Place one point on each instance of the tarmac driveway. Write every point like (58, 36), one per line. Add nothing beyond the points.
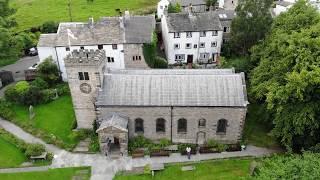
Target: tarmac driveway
(18, 68)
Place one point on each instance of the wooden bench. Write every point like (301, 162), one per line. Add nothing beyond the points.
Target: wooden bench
(137, 153)
(159, 153)
(43, 156)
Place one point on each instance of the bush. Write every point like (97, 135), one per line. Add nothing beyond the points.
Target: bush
(48, 95)
(160, 63)
(22, 87)
(34, 150)
(20, 144)
(49, 71)
(139, 142)
(215, 145)
(40, 83)
(182, 147)
(164, 142)
(5, 109)
(49, 27)
(63, 89)
(11, 94)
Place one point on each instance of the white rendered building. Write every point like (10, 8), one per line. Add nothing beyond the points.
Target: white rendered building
(122, 39)
(192, 37)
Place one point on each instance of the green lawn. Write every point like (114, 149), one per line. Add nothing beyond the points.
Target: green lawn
(256, 130)
(31, 13)
(10, 155)
(210, 170)
(52, 174)
(56, 118)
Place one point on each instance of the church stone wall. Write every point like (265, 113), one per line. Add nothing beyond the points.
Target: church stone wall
(134, 50)
(235, 117)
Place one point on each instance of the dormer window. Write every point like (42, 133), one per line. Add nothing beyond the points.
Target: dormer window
(100, 46)
(189, 34)
(82, 47)
(114, 46)
(67, 49)
(176, 35)
(202, 34)
(215, 33)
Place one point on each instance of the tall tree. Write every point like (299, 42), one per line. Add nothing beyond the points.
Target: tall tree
(287, 77)
(251, 24)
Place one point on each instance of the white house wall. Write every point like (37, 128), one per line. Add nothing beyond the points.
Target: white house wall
(117, 54)
(161, 7)
(45, 52)
(195, 39)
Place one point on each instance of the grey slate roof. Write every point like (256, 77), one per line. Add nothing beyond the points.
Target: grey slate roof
(169, 89)
(114, 120)
(108, 30)
(186, 3)
(174, 71)
(183, 22)
(47, 40)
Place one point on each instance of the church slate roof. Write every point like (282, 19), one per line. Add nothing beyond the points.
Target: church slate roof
(108, 30)
(151, 88)
(183, 22)
(114, 120)
(173, 71)
(185, 3)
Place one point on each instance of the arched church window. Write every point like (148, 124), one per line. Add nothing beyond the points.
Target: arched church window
(222, 126)
(202, 123)
(182, 125)
(160, 125)
(138, 123)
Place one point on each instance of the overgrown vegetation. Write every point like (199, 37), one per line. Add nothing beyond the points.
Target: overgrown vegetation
(174, 8)
(305, 166)
(150, 54)
(287, 76)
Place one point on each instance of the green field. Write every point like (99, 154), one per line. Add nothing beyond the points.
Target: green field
(31, 13)
(10, 155)
(56, 118)
(220, 169)
(51, 174)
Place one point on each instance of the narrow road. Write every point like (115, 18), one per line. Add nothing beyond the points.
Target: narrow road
(104, 168)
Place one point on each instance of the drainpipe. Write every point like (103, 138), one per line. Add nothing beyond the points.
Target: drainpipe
(55, 48)
(171, 114)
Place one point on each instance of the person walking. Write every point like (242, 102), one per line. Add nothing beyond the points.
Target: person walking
(188, 149)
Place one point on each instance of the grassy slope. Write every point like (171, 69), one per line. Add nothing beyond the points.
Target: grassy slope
(52, 174)
(222, 169)
(54, 118)
(10, 156)
(35, 12)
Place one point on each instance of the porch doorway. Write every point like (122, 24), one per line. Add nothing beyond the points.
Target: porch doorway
(201, 138)
(189, 59)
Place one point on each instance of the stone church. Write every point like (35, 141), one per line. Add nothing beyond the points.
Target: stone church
(184, 106)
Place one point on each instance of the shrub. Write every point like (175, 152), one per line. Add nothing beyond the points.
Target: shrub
(218, 146)
(40, 83)
(160, 63)
(147, 169)
(34, 150)
(182, 147)
(164, 142)
(139, 142)
(5, 109)
(174, 8)
(20, 144)
(22, 87)
(94, 143)
(63, 89)
(48, 95)
(49, 27)
(49, 71)
(11, 93)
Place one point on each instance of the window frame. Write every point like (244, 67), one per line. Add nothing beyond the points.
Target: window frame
(214, 44)
(176, 35)
(222, 126)
(114, 46)
(100, 46)
(215, 33)
(86, 76)
(202, 123)
(160, 125)
(204, 45)
(182, 126)
(139, 125)
(189, 46)
(176, 47)
(181, 59)
(203, 33)
(188, 34)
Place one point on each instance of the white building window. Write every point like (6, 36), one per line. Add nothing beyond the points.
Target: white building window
(202, 45)
(188, 46)
(67, 49)
(161, 7)
(189, 34)
(114, 46)
(176, 35)
(100, 46)
(226, 29)
(195, 46)
(202, 34)
(214, 44)
(110, 59)
(176, 46)
(214, 33)
(204, 56)
(179, 57)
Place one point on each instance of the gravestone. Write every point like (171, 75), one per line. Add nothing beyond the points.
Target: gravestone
(31, 112)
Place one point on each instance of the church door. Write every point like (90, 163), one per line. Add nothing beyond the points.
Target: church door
(201, 138)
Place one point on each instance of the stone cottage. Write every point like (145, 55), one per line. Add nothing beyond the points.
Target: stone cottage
(184, 106)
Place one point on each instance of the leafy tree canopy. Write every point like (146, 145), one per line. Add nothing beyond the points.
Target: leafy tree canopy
(174, 8)
(287, 77)
(251, 24)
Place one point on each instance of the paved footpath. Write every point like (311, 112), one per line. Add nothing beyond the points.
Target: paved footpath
(104, 168)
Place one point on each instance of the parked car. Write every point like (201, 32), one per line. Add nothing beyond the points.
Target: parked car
(33, 52)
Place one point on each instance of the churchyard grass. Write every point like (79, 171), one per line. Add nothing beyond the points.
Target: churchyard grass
(33, 13)
(52, 174)
(10, 155)
(55, 119)
(208, 170)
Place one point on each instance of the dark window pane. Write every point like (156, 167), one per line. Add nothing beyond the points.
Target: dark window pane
(81, 47)
(222, 126)
(100, 46)
(139, 125)
(114, 46)
(81, 77)
(182, 125)
(86, 76)
(67, 49)
(202, 123)
(161, 125)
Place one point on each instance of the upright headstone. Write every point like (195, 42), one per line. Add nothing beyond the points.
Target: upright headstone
(31, 112)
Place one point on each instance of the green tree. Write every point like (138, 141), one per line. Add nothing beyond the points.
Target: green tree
(306, 166)
(287, 77)
(49, 27)
(49, 71)
(211, 3)
(174, 8)
(251, 24)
